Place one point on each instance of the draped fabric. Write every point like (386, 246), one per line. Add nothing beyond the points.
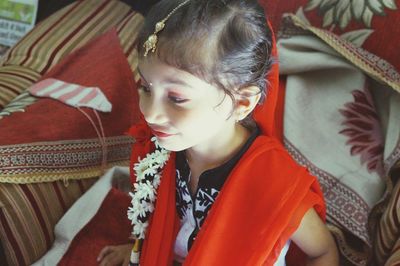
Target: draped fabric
(258, 209)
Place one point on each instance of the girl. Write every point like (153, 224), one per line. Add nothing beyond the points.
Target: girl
(227, 193)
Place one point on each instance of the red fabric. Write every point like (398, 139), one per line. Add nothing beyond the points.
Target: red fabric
(100, 63)
(279, 112)
(252, 218)
(157, 249)
(110, 226)
(257, 210)
(265, 114)
(254, 212)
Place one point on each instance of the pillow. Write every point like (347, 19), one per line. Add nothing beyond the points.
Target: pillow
(52, 141)
(28, 213)
(387, 236)
(13, 80)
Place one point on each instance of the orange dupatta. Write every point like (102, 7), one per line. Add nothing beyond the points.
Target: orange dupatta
(258, 209)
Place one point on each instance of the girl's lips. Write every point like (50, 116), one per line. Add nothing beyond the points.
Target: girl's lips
(161, 134)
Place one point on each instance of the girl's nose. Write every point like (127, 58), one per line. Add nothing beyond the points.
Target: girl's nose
(154, 112)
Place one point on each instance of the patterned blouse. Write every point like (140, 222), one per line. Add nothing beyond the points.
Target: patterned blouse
(193, 209)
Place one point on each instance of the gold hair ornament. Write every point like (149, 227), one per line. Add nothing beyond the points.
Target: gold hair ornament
(151, 42)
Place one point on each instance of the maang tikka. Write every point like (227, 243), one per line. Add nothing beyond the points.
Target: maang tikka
(151, 42)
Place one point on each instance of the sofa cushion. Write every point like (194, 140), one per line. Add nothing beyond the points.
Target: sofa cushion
(51, 140)
(28, 213)
(12, 80)
(387, 236)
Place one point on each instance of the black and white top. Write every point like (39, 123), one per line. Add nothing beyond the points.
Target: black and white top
(193, 209)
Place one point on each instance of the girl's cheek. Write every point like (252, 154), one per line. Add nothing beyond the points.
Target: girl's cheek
(184, 118)
(142, 103)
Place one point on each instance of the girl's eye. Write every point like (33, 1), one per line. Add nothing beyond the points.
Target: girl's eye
(176, 99)
(144, 89)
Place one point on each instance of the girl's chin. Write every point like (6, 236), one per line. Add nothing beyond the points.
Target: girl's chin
(170, 145)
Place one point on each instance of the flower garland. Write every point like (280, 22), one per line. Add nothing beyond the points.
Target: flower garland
(148, 178)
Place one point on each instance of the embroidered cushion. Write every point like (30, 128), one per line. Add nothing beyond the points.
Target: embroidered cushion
(54, 141)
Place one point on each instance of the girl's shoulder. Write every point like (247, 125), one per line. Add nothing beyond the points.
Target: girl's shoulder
(264, 145)
(267, 154)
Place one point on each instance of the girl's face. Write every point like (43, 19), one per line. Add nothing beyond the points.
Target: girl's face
(182, 110)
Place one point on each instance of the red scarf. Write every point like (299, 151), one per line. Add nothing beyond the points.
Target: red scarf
(258, 209)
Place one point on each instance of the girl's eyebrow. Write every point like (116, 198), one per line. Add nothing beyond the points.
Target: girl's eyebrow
(172, 80)
(169, 80)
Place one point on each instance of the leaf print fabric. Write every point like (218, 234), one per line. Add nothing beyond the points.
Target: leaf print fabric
(204, 200)
(192, 212)
(341, 12)
(363, 129)
(183, 200)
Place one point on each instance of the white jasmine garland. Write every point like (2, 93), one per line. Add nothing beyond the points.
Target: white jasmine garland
(139, 229)
(139, 171)
(148, 178)
(157, 180)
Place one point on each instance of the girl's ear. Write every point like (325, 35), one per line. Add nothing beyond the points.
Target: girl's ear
(246, 100)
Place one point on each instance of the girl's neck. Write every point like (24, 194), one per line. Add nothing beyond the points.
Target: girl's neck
(207, 156)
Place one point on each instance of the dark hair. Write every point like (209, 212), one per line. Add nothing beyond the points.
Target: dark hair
(225, 42)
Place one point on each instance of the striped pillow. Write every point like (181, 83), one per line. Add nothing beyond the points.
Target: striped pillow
(28, 214)
(13, 80)
(394, 259)
(387, 234)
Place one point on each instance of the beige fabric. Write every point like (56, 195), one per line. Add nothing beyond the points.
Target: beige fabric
(341, 124)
